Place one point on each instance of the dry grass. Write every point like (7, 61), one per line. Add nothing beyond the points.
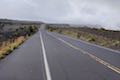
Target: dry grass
(93, 38)
(8, 46)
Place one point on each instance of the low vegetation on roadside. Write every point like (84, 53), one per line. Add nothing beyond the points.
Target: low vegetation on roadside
(107, 38)
(8, 46)
(10, 40)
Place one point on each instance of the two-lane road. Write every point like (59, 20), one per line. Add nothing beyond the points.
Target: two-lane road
(50, 56)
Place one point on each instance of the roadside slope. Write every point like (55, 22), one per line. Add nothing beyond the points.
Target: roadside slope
(24, 63)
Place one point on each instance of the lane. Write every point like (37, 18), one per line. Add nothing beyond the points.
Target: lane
(110, 56)
(67, 63)
(47, 70)
(25, 63)
(112, 67)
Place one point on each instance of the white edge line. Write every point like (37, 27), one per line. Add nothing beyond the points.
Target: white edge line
(116, 51)
(117, 70)
(47, 69)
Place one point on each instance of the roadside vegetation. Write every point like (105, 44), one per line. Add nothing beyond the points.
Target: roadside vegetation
(10, 40)
(103, 37)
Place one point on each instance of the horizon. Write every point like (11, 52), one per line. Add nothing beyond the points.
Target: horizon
(94, 12)
(97, 26)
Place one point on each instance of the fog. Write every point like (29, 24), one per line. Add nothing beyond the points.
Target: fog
(95, 12)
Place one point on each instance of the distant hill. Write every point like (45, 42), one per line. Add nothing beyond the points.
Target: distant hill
(9, 21)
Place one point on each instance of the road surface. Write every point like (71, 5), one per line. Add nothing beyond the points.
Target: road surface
(51, 56)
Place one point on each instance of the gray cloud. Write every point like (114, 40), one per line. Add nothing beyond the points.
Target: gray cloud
(102, 12)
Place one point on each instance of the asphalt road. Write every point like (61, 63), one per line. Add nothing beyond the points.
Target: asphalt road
(25, 63)
(50, 56)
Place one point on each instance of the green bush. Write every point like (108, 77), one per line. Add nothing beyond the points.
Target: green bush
(92, 39)
(2, 56)
(78, 35)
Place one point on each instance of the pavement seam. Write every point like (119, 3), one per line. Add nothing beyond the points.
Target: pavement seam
(116, 69)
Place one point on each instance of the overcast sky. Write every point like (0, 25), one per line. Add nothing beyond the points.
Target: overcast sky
(102, 12)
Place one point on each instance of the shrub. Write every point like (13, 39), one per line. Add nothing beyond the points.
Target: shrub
(7, 49)
(78, 35)
(91, 39)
